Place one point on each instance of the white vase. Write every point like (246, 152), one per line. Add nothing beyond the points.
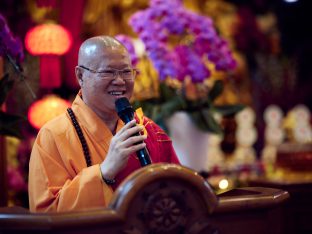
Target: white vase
(190, 143)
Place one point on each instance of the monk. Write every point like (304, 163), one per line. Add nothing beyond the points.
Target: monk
(81, 156)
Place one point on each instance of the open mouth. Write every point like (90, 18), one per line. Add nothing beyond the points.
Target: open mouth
(117, 93)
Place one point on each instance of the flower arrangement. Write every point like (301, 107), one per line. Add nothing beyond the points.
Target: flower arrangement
(185, 50)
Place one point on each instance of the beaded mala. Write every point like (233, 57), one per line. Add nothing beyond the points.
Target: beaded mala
(84, 144)
(82, 139)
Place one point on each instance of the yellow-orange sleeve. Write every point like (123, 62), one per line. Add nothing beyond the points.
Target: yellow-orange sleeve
(54, 187)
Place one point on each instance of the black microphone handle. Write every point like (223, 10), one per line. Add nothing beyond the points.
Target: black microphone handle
(143, 157)
(143, 154)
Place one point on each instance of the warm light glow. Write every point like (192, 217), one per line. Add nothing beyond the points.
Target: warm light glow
(46, 109)
(290, 1)
(48, 39)
(223, 184)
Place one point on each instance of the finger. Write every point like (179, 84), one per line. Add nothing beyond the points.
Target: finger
(133, 148)
(118, 145)
(124, 149)
(133, 140)
(127, 126)
(130, 132)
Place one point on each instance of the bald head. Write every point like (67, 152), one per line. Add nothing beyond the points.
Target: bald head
(103, 62)
(91, 48)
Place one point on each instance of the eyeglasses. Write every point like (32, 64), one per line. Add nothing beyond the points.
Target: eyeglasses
(111, 74)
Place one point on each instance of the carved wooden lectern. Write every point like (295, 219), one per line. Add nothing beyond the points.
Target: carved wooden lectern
(162, 198)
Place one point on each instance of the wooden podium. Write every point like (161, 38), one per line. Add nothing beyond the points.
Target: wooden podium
(298, 210)
(162, 198)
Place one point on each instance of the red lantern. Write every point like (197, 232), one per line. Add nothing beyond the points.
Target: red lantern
(46, 109)
(49, 41)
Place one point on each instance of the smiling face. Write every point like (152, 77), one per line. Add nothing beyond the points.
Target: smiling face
(100, 92)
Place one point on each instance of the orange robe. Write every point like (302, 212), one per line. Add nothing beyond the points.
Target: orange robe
(59, 179)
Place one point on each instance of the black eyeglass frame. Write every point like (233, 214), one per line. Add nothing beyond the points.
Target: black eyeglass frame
(116, 72)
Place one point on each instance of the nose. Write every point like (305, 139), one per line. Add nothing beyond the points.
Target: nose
(118, 77)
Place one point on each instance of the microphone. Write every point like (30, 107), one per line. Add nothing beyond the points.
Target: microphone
(126, 114)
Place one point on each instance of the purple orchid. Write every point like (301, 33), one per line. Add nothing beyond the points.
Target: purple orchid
(127, 42)
(163, 18)
(9, 45)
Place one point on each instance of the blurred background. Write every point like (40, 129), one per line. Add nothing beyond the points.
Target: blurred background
(269, 40)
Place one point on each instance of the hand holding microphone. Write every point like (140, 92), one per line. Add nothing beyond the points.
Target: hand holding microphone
(126, 113)
(126, 141)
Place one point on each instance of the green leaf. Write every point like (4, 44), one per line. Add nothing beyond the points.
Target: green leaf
(191, 106)
(150, 107)
(5, 86)
(198, 121)
(10, 124)
(212, 124)
(227, 110)
(166, 92)
(205, 121)
(161, 123)
(167, 109)
(216, 90)
(155, 110)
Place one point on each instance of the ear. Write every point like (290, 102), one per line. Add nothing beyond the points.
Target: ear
(79, 75)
